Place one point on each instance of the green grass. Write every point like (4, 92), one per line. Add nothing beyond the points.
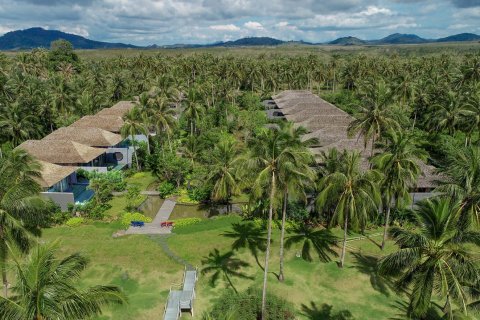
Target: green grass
(141, 268)
(142, 179)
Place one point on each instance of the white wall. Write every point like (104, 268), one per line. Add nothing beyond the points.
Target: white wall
(62, 199)
(98, 169)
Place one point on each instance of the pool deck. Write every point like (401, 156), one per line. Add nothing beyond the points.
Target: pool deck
(154, 227)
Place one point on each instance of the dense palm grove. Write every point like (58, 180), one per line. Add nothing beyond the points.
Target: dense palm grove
(212, 139)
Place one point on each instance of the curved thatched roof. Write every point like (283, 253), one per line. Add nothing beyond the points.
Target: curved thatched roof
(118, 109)
(52, 173)
(315, 123)
(112, 123)
(94, 137)
(61, 151)
(429, 178)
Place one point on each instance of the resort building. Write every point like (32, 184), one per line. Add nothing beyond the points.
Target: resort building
(329, 125)
(62, 186)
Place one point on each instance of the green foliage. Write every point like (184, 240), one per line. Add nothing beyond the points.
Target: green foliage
(75, 221)
(184, 197)
(297, 211)
(116, 178)
(133, 198)
(166, 189)
(186, 222)
(61, 52)
(247, 306)
(168, 166)
(128, 217)
(200, 193)
(276, 224)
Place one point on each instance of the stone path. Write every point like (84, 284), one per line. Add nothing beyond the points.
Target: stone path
(154, 227)
(162, 241)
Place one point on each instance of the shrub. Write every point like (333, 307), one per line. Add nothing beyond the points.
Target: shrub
(185, 198)
(133, 198)
(166, 189)
(186, 222)
(247, 306)
(200, 193)
(75, 221)
(128, 217)
(297, 211)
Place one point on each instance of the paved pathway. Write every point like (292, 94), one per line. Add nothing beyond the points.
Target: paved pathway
(154, 227)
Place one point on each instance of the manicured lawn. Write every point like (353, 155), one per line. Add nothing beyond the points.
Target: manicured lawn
(142, 179)
(139, 265)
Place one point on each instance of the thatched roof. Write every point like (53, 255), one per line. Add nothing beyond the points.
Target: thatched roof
(61, 151)
(429, 178)
(318, 122)
(110, 123)
(94, 137)
(118, 109)
(306, 114)
(52, 173)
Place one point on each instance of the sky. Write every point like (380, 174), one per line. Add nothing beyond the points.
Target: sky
(163, 22)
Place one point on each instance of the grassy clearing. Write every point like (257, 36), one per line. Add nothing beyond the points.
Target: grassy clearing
(142, 179)
(138, 264)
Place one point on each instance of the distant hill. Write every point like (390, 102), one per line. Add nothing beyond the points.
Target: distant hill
(399, 38)
(251, 41)
(348, 41)
(39, 37)
(460, 37)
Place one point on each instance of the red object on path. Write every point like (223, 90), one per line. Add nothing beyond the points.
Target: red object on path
(167, 224)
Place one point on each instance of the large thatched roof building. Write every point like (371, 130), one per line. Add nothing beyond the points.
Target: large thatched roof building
(329, 125)
(50, 174)
(93, 137)
(64, 152)
(112, 123)
(119, 109)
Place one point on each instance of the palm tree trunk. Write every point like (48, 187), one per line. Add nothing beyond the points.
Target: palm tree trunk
(281, 276)
(267, 252)
(344, 247)
(135, 151)
(5, 281)
(387, 221)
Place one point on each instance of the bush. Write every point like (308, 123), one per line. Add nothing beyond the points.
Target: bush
(185, 198)
(133, 198)
(186, 222)
(247, 306)
(200, 193)
(75, 221)
(297, 211)
(166, 189)
(128, 217)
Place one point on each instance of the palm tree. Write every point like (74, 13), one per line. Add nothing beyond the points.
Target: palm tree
(225, 265)
(434, 257)
(163, 117)
(296, 177)
(18, 125)
(321, 240)
(268, 158)
(462, 169)
(223, 171)
(193, 109)
(19, 204)
(133, 125)
(353, 195)
(48, 288)
(375, 115)
(399, 164)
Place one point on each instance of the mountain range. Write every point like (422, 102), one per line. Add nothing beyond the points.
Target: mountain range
(39, 37)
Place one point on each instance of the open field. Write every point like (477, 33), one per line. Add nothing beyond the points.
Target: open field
(287, 49)
(139, 265)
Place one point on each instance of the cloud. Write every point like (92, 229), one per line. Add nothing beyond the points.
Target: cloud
(225, 27)
(466, 3)
(253, 25)
(78, 30)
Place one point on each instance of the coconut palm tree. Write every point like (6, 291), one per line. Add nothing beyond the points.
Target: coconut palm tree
(223, 265)
(193, 109)
(268, 157)
(399, 164)
(434, 259)
(223, 171)
(297, 178)
(162, 117)
(353, 195)
(133, 124)
(375, 115)
(320, 240)
(48, 288)
(18, 125)
(19, 204)
(462, 170)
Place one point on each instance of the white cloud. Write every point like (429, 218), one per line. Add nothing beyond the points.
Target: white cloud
(4, 30)
(253, 25)
(78, 30)
(224, 27)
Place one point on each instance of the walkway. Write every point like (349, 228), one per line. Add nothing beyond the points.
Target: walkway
(154, 227)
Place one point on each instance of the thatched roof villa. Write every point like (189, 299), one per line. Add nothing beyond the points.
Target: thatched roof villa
(93, 137)
(112, 123)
